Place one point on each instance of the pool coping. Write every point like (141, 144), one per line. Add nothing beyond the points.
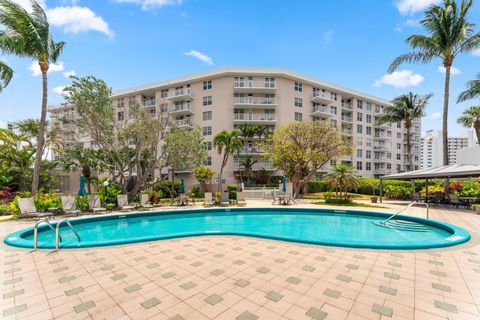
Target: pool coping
(458, 235)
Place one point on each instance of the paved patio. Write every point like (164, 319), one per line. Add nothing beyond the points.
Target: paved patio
(226, 277)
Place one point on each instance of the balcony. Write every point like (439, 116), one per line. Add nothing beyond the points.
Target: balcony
(183, 94)
(382, 137)
(254, 118)
(181, 108)
(347, 132)
(322, 97)
(254, 86)
(321, 111)
(255, 102)
(184, 123)
(382, 125)
(382, 147)
(347, 106)
(252, 151)
(256, 167)
(347, 119)
(347, 158)
(382, 171)
(148, 103)
(382, 160)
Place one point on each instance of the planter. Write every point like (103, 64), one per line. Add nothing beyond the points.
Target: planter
(374, 199)
(477, 209)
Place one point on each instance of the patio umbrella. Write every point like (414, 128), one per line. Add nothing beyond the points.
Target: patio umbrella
(81, 191)
(284, 184)
(182, 186)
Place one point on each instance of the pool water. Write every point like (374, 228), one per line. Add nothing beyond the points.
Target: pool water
(314, 226)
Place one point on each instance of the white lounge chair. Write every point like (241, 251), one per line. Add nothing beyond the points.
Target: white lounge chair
(68, 205)
(95, 205)
(122, 201)
(29, 210)
(208, 200)
(145, 201)
(225, 200)
(241, 199)
(274, 197)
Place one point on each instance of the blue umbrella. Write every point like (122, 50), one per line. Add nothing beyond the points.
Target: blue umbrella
(284, 184)
(82, 192)
(182, 186)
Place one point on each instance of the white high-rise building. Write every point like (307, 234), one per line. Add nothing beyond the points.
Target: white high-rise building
(6, 125)
(432, 147)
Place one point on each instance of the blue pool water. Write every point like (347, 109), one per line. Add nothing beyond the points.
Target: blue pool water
(314, 226)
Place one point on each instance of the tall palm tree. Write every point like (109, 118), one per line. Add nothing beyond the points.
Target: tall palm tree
(6, 75)
(228, 143)
(449, 33)
(247, 167)
(27, 35)
(246, 131)
(342, 178)
(473, 90)
(471, 118)
(406, 108)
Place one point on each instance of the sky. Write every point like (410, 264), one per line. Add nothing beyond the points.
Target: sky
(133, 42)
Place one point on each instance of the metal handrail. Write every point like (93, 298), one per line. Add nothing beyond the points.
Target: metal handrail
(35, 231)
(405, 208)
(57, 233)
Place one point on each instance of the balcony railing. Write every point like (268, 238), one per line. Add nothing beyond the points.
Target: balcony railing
(382, 147)
(347, 131)
(252, 150)
(347, 119)
(382, 171)
(382, 136)
(181, 93)
(148, 102)
(256, 167)
(183, 122)
(254, 100)
(323, 110)
(322, 97)
(254, 117)
(346, 105)
(180, 107)
(255, 85)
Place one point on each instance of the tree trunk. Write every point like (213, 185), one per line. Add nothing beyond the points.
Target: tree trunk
(41, 130)
(408, 125)
(445, 121)
(476, 126)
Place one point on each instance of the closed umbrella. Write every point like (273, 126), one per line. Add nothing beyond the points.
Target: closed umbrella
(182, 186)
(284, 184)
(81, 191)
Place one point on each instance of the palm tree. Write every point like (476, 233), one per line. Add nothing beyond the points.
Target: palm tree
(27, 35)
(473, 90)
(449, 33)
(406, 108)
(342, 178)
(471, 118)
(228, 143)
(6, 74)
(247, 166)
(246, 131)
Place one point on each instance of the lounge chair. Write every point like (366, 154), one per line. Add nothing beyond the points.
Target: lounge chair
(29, 210)
(145, 201)
(416, 197)
(454, 201)
(241, 199)
(225, 200)
(68, 205)
(274, 197)
(208, 200)
(122, 202)
(95, 204)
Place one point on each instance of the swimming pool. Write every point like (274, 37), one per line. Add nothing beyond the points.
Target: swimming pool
(313, 226)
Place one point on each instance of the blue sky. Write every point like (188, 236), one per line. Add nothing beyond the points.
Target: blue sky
(346, 42)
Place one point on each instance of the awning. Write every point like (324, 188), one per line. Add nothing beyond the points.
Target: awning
(451, 171)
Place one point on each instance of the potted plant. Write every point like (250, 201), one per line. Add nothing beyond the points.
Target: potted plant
(374, 199)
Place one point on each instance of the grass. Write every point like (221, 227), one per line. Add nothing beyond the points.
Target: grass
(320, 196)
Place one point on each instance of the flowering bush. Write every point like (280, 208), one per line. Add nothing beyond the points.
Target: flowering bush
(6, 195)
(455, 186)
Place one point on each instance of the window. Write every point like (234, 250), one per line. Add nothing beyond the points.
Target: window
(238, 82)
(359, 128)
(368, 154)
(359, 153)
(269, 82)
(298, 87)
(399, 146)
(368, 166)
(207, 145)
(164, 93)
(369, 118)
(359, 141)
(164, 107)
(359, 165)
(298, 116)
(368, 142)
(298, 102)
(399, 135)
(333, 162)
(389, 166)
(399, 125)
(208, 162)
(359, 104)
(333, 96)
(399, 168)
(333, 110)
(207, 85)
(399, 156)
(369, 106)
(359, 117)
(369, 130)
(207, 131)
(207, 115)
(121, 115)
(207, 101)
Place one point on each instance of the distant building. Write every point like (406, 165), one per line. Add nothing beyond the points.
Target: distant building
(6, 125)
(432, 148)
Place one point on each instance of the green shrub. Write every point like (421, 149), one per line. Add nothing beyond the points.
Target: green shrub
(165, 186)
(108, 195)
(45, 201)
(81, 203)
(397, 192)
(329, 195)
(232, 191)
(5, 210)
(196, 192)
(317, 186)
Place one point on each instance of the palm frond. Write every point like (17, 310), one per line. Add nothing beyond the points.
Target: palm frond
(6, 75)
(472, 91)
(411, 57)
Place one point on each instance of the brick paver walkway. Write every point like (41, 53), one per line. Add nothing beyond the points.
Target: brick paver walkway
(226, 277)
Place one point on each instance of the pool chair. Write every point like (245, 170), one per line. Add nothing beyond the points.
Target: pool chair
(68, 205)
(29, 210)
(95, 205)
(241, 199)
(122, 202)
(225, 200)
(145, 201)
(275, 199)
(454, 201)
(208, 202)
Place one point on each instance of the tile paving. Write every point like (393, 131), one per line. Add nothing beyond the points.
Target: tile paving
(227, 277)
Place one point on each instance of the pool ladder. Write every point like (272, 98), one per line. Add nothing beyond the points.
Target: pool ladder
(405, 225)
(58, 237)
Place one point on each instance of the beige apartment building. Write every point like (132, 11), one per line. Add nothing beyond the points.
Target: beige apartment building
(226, 98)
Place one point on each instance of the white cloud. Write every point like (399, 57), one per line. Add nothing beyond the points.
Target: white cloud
(200, 56)
(59, 90)
(400, 79)
(28, 5)
(436, 115)
(411, 23)
(476, 52)
(151, 4)
(453, 71)
(74, 19)
(54, 67)
(412, 6)
(69, 74)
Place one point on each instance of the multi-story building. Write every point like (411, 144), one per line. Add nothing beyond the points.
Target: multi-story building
(432, 147)
(227, 98)
(6, 125)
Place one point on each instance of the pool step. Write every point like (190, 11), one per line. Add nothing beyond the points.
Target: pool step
(406, 225)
